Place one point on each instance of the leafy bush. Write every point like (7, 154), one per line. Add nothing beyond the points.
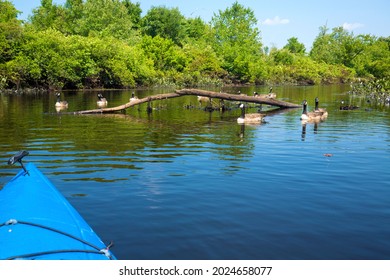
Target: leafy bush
(106, 43)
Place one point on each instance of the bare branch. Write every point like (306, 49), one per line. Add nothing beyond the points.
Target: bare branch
(182, 92)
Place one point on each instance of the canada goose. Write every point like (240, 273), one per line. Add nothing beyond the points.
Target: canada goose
(249, 118)
(203, 99)
(347, 107)
(311, 116)
(271, 94)
(316, 109)
(102, 102)
(133, 97)
(60, 104)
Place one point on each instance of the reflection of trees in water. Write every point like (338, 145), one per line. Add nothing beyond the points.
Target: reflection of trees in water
(157, 140)
(168, 132)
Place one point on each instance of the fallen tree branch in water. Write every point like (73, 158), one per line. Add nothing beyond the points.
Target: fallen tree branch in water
(129, 104)
(236, 97)
(198, 92)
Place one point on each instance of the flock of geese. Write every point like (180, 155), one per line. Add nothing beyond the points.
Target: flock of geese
(251, 118)
(101, 102)
(317, 115)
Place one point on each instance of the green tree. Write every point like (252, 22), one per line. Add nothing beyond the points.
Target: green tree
(324, 47)
(106, 18)
(203, 63)
(135, 11)
(196, 29)
(294, 46)
(11, 35)
(376, 59)
(48, 15)
(98, 43)
(54, 60)
(8, 12)
(74, 13)
(165, 22)
(338, 47)
(164, 53)
(282, 56)
(10, 31)
(236, 40)
(367, 55)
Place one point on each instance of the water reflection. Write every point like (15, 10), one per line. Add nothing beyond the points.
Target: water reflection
(303, 132)
(242, 131)
(175, 178)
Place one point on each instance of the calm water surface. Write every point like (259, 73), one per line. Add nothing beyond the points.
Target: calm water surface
(187, 184)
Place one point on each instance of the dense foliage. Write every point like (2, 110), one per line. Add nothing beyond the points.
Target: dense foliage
(108, 43)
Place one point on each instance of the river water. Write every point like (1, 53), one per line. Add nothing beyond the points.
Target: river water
(183, 183)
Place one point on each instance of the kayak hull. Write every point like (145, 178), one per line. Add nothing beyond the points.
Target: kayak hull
(37, 222)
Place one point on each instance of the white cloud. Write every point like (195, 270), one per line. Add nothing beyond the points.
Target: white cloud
(275, 21)
(352, 26)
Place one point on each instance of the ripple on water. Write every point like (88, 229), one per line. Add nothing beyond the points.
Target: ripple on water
(194, 185)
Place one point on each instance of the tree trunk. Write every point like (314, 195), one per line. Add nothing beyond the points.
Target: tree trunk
(182, 92)
(235, 97)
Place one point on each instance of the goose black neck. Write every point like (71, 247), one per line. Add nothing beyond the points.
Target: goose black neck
(304, 108)
(243, 112)
(316, 107)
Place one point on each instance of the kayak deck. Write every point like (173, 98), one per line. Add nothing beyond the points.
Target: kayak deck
(37, 222)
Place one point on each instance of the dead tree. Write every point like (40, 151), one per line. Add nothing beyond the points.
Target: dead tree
(198, 92)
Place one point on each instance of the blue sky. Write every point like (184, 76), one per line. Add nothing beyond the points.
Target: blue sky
(279, 20)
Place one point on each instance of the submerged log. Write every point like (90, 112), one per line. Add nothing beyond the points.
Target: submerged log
(198, 92)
